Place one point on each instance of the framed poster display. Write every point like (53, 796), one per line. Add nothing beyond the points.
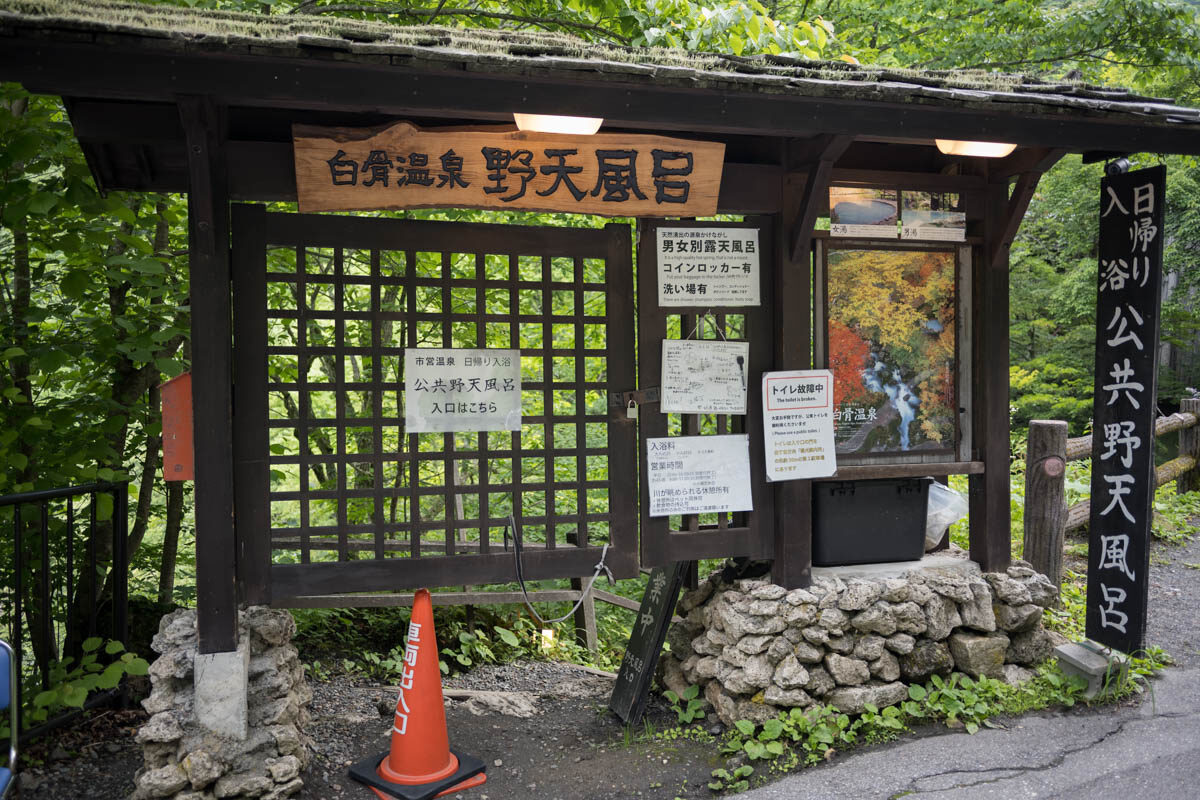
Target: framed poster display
(891, 341)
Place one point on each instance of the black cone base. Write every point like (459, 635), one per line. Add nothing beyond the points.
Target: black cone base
(365, 771)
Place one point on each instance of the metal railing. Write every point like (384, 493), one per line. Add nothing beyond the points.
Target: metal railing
(67, 573)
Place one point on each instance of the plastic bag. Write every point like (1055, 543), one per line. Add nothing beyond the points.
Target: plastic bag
(946, 506)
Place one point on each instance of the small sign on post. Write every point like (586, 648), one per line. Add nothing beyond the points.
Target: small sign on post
(699, 474)
(708, 267)
(461, 390)
(1123, 480)
(703, 376)
(628, 699)
(798, 424)
(178, 451)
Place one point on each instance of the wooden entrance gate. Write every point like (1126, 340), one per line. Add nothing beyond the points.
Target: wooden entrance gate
(333, 495)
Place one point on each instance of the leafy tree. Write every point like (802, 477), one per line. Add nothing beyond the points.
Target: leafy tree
(95, 312)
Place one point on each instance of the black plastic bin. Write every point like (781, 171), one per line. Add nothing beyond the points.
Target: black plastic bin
(868, 522)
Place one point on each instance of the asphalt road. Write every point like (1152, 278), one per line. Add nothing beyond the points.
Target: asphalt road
(1124, 752)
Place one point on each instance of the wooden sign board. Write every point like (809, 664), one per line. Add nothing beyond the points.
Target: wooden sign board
(402, 166)
(178, 453)
(1127, 324)
(628, 699)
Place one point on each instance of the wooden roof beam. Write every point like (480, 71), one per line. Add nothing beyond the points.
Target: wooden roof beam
(821, 152)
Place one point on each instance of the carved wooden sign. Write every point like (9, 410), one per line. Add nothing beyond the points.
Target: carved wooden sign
(402, 166)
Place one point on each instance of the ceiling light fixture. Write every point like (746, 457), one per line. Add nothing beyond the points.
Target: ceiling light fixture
(553, 123)
(953, 147)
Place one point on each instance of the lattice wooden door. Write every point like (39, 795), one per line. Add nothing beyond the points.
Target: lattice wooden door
(334, 496)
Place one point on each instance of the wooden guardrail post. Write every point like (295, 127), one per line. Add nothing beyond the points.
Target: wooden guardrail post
(1045, 497)
(1189, 445)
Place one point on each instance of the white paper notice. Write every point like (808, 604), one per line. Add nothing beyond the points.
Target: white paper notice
(698, 474)
(798, 424)
(708, 267)
(702, 376)
(461, 390)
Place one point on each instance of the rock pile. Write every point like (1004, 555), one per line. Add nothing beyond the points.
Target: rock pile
(184, 761)
(757, 648)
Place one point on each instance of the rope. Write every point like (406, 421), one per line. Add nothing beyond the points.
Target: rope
(517, 546)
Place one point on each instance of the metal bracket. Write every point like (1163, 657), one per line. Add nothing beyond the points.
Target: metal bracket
(641, 397)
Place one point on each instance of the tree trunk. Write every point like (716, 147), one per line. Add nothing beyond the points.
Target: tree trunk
(170, 551)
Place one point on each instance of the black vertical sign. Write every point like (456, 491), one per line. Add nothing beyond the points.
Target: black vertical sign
(628, 699)
(1127, 312)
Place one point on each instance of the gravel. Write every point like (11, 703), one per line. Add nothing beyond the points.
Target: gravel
(573, 747)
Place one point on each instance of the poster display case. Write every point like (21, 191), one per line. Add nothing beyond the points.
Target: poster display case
(892, 336)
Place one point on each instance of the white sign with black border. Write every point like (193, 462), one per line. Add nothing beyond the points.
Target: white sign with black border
(717, 267)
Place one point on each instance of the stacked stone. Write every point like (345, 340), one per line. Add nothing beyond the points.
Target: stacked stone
(756, 648)
(183, 760)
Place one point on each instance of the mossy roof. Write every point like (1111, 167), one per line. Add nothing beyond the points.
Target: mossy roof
(540, 53)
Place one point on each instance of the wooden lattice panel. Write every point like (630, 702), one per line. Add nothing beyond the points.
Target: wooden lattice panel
(355, 502)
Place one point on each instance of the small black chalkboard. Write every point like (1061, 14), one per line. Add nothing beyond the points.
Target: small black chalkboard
(628, 699)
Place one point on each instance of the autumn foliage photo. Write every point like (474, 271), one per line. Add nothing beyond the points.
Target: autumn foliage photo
(892, 349)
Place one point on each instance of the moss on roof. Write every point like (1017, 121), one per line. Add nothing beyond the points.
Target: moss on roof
(517, 51)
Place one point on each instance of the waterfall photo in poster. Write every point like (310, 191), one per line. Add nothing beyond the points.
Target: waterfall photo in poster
(892, 350)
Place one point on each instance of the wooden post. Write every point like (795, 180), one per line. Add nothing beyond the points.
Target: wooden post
(801, 202)
(1189, 445)
(212, 381)
(1045, 497)
(585, 618)
(251, 440)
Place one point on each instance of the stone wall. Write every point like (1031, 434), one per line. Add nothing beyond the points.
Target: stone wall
(857, 635)
(186, 761)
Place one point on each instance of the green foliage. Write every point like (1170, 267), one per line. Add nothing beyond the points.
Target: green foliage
(959, 700)
(475, 648)
(881, 725)
(72, 682)
(809, 735)
(1175, 515)
(687, 708)
(1089, 35)
(733, 782)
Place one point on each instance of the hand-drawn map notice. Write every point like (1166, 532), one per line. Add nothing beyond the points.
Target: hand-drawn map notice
(461, 390)
(402, 166)
(708, 267)
(932, 216)
(702, 376)
(698, 474)
(628, 699)
(1123, 481)
(863, 213)
(798, 424)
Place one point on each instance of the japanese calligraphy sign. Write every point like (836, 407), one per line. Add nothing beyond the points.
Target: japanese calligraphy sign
(704, 376)
(1127, 319)
(461, 390)
(628, 699)
(403, 166)
(708, 267)
(798, 424)
(698, 474)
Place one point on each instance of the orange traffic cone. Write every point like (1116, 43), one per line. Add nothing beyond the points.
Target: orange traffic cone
(420, 764)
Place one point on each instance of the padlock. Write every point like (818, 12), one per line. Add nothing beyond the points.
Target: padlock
(631, 410)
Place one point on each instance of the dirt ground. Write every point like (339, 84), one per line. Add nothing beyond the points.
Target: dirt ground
(568, 745)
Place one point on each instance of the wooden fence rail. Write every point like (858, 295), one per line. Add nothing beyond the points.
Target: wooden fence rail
(1047, 517)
